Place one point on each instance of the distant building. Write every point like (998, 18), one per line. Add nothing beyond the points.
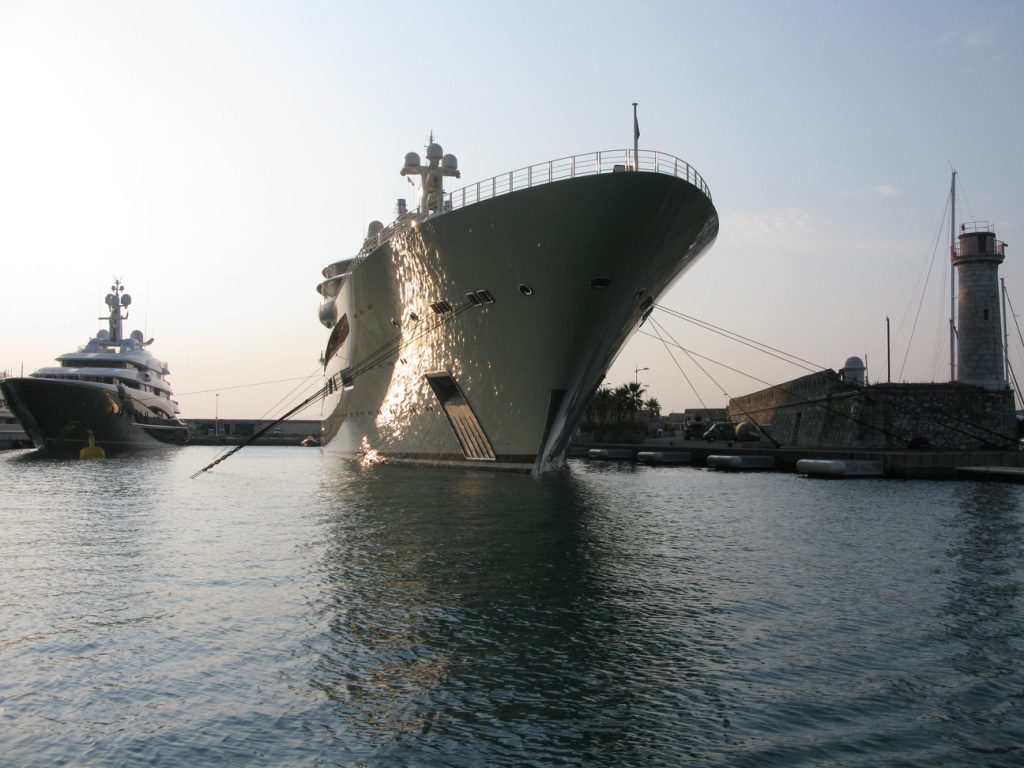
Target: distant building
(241, 428)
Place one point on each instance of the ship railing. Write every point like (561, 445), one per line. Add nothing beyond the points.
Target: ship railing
(992, 247)
(574, 166)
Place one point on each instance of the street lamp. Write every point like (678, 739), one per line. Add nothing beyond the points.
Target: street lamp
(216, 415)
(636, 374)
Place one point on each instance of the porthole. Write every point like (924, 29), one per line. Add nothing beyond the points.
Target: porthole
(600, 282)
(525, 289)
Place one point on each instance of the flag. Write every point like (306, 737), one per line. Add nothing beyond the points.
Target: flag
(636, 127)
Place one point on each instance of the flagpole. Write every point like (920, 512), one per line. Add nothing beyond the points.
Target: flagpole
(636, 141)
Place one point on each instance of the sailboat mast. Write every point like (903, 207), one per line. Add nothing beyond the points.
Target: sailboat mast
(952, 278)
(1006, 334)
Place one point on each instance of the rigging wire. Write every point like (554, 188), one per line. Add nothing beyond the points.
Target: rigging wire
(671, 355)
(240, 386)
(924, 290)
(1020, 336)
(753, 344)
(941, 351)
(658, 329)
(938, 415)
(793, 394)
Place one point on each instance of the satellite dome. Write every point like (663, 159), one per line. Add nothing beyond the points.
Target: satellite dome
(103, 334)
(434, 152)
(137, 336)
(126, 300)
(412, 160)
(853, 370)
(374, 229)
(449, 162)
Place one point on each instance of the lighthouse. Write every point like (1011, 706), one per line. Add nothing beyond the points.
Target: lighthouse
(976, 258)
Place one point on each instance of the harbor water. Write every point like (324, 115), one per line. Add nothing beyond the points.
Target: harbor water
(290, 608)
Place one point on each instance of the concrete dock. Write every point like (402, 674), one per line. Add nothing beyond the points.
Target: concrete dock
(1005, 466)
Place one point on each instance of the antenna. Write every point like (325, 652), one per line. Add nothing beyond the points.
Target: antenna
(952, 278)
(636, 140)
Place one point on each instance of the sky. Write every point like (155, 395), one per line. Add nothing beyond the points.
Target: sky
(217, 155)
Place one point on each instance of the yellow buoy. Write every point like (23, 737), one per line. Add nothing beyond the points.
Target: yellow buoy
(92, 451)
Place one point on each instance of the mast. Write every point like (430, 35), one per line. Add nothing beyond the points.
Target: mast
(1006, 335)
(431, 175)
(888, 352)
(952, 278)
(636, 140)
(115, 301)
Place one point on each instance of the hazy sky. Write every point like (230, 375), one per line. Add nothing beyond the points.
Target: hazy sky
(217, 155)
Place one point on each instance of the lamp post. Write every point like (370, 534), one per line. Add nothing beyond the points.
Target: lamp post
(216, 415)
(636, 374)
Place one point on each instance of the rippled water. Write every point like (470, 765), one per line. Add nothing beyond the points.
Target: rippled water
(290, 609)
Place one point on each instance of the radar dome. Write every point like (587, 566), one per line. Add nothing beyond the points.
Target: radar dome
(111, 301)
(449, 162)
(412, 160)
(434, 152)
(853, 370)
(126, 300)
(137, 336)
(103, 334)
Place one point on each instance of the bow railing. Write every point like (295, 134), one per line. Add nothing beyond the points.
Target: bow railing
(591, 164)
(574, 166)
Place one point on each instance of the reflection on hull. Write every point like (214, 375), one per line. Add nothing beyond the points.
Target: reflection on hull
(476, 336)
(60, 415)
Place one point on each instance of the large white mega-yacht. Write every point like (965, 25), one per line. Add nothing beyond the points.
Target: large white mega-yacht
(111, 391)
(473, 330)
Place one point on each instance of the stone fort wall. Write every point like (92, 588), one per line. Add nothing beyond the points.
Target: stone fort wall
(823, 411)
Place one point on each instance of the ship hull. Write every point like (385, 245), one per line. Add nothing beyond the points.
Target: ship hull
(59, 417)
(545, 285)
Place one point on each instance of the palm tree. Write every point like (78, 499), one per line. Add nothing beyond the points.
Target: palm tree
(601, 404)
(635, 396)
(629, 399)
(653, 406)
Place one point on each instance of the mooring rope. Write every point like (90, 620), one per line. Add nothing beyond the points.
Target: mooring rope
(390, 348)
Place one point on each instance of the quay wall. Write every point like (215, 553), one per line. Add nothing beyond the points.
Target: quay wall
(822, 410)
